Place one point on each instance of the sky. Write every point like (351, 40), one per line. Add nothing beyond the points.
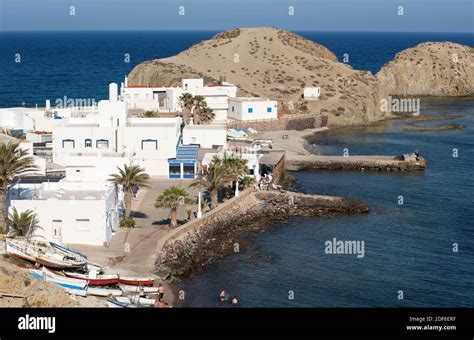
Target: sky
(216, 15)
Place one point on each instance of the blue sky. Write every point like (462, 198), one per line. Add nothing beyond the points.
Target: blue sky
(315, 15)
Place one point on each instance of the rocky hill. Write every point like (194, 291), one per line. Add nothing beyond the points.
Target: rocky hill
(277, 64)
(430, 69)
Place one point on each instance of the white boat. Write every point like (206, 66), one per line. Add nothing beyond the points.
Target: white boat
(137, 289)
(45, 255)
(93, 279)
(134, 301)
(103, 291)
(70, 285)
(117, 304)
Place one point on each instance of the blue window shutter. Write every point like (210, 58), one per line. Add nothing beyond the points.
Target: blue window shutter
(269, 109)
(249, 110)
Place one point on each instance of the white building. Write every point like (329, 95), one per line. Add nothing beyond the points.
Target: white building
(311, 93)
(252, 161)
(252, 108)
(166, 98)
(68, 212)
(205, 136)
(147, 142)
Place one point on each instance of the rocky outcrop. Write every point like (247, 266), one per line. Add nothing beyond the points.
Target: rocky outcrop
(221, 233)
(430, 69)
(277, 64)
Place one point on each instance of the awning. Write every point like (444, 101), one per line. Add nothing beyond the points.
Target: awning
(272, 158)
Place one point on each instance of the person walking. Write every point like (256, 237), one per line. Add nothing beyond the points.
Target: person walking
(161, 292)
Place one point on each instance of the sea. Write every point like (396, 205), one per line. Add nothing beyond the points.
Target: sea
(418, 238)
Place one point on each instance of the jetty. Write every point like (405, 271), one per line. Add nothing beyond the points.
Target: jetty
(374, 163)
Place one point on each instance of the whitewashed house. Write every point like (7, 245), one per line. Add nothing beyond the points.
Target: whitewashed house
(205, 136)
(166, 98)
(69, 212)
(252, 108)
(311, 93)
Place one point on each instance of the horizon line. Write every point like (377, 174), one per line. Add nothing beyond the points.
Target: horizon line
(220, 30)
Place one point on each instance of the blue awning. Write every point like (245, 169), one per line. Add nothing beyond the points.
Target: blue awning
(185, 154)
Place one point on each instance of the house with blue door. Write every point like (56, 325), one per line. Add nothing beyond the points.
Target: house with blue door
(185, 163)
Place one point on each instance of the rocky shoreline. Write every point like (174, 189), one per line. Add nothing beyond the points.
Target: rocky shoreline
(221, 233)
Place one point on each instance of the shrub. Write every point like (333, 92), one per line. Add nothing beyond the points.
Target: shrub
(127, 222)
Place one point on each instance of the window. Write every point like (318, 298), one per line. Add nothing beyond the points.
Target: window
(175, 169)
(193, 140)
(88, 143)
(83, 224)
(233, 109)
(250, 110)
(102, 144)
(68, 144)
(269, 109)
(149, 144)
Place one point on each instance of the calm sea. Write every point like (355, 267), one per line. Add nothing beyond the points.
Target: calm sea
(408, 248)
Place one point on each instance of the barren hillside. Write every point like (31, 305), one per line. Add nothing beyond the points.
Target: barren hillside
(430, 69)
(275, 64)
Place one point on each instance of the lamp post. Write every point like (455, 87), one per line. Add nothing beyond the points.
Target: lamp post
(199, 212)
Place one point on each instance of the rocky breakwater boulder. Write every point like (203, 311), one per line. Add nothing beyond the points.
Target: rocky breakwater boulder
(430, 69)
(223, 232)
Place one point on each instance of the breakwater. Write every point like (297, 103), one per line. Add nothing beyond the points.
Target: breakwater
(375, 163)
(219, 233)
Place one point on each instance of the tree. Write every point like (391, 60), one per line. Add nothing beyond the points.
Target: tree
(14, 162)
(173, 198)
(236, 165)
(199, 104)
(24, 223)
(206, 115)
(129, 177)
(186, 101)
(217, 177)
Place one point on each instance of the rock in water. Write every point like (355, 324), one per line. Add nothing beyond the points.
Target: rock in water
(430, 69)
(277, 64)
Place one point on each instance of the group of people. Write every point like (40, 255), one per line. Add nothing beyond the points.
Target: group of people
(223, 297)
(159, 302)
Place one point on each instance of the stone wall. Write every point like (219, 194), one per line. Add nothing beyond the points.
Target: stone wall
(289, 122)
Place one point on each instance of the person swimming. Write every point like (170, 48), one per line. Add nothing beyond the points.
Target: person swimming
(223, 295)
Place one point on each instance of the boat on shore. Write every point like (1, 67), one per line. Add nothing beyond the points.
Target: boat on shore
(137, 289)
(96, 291)
(136, 281)
(116, 304)
(44, 255)
(94, 280)
(90, 266)
(72, 286)
(135, 301)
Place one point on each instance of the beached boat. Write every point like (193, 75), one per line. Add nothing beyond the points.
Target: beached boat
(137, 289)
(103, 291)
(97, 280)
(116, 304)
(44, 255)
(141, 302)
(145, 301)
(136, 281)
(64, 282)
(66, 250)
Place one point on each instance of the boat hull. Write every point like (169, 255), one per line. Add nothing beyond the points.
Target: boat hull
(135, 281)
(137, 289)
(101, 280)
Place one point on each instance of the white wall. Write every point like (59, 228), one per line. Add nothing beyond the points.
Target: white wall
(93, 168)
(102, 217)
(311, 92)
(205, 135)
(239, 109)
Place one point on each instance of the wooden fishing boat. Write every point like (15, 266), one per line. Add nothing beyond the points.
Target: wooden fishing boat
(46, 256)
(64, 282)
(115, 304)
(66, 250)
(142, 302)
(103, 291)
(97, 280)
(136, 281)
(137, 289)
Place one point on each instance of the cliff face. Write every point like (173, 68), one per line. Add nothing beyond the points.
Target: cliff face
(430, 69)
(275, 64)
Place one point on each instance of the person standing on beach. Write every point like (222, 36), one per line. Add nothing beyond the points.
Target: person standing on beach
(161, 292)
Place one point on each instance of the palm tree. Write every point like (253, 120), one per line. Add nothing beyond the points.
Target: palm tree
(199, 104)
(173, 198)
(24, 223)
(14, 162)
(217, 177)
(186, 101)
(129, 177)
(206, 115)
(236, 165)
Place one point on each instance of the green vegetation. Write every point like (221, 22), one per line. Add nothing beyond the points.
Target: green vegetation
(22, 224)
(173, 198)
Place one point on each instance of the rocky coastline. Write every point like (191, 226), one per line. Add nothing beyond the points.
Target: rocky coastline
(221, 233)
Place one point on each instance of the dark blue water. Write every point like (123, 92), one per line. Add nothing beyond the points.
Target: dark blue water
(82, 64)
(408, 247)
